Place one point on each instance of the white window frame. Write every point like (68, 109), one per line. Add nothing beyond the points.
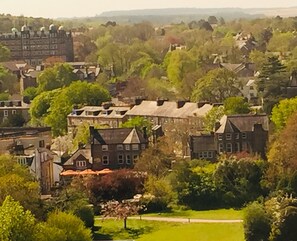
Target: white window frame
(135, 147)
(105, 160)
(243, 135)
(121, 160)
(104, 147)
(13, 112)
(228, 136)
(220, 137)
(5, 113)
(120, 147)
(127, 147)
(221, 147)
(210, 154)
(128, 159)
(81, 163)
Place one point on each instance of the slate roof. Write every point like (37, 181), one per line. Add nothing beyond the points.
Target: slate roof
(111, 112)
(168, 109)
(242, 123)
(118, 136)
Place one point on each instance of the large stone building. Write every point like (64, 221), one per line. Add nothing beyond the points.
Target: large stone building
(234, 134)
(36, 46)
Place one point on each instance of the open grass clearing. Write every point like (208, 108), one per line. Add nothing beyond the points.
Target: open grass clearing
(208, 214)
(163, 231)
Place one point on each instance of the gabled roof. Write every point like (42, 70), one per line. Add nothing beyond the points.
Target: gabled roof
(118, 136)
(242, 123)
(81, 154)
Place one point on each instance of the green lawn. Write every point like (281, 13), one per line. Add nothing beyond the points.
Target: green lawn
(162, 231)
(209, 214)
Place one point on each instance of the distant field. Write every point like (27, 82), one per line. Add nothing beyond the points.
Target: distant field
(162, 231)
(209, 214)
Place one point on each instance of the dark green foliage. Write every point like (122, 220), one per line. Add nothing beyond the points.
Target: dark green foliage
(86, 214)
(256, 223)
(16, 120)
(236, 105)
(30, 93)
(4, 96)
(239, 180)
(195, 187)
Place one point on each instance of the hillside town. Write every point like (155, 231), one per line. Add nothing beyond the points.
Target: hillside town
(97, 119)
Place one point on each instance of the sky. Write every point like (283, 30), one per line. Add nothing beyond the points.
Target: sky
(80, 8)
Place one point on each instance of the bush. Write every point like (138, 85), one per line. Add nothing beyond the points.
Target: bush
(256, 223)
(86, 214)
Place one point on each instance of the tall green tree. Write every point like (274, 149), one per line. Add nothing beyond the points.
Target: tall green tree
(4, 53)
(16, 223)
(236, 105)
(216, 86)
(55, 77)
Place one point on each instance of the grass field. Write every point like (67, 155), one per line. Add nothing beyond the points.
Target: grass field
(164, 231)
(209, 214)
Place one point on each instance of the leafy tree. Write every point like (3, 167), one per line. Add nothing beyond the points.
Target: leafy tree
(158, 194)
(71, 226)
(236, 105)
(281, 42)
(212, 117)
(212, 20)
(4, 53)
(138, 122)
(4, 96)
(240, 180)
(30, 93)
(194, 185)
(256, 223)
(40, 105)
(156, 160)
(258, 58)
(16, 223)
(282, 153)
(283, 111)
(120, 210)
(55, 77)
(216, 86)
(119, 185)
(16, 181)
(16, 120)
(8, 81)
(47, 108)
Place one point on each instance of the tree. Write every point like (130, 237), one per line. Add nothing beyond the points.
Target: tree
(236, 105)
(30, 93)
(239, 180)
(256, 222)
(55, 77)
(216, 86)
(4, 53)
(47, 108)
(194, 184)
(212, 117)
(8, 81)
(283, 111)
(273, 78)
(156, 160)
(212, 20)
(138, 122)
(281, 42)
(16, 223)
(71, 226)
(258, 58)
(283, 153)
(158, 195)
(16, 181)
(16, 120)
(121, 210)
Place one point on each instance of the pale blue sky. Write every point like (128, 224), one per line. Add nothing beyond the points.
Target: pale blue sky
(71, 8)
